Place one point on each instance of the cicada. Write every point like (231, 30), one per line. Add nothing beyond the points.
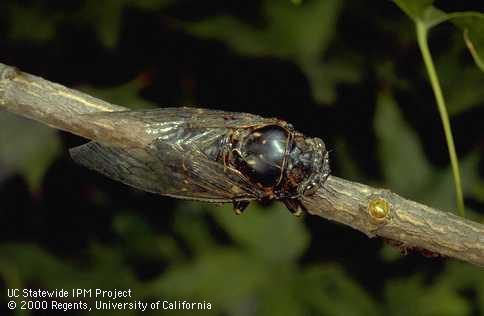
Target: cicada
(207, 155)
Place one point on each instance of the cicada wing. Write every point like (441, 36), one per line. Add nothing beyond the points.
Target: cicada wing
(194, 175)
(176, 152)
(156, 121)
(169, 169)
(121, 164)
(184, 114)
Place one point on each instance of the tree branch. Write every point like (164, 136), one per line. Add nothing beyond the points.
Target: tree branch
(373, 211)
(380, 212)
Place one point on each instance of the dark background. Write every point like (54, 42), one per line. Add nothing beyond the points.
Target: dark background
(363, 90)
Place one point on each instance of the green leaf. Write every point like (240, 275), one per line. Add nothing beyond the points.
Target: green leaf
(463, 277)
(256, 232)
(414, 8)
(139, 239)
(472, 24)
(27, 147)
(280, 298)
(286, 35)
(401, 155)
(422, 12)
(464, 95)
(223, 276)
(328, 290)
(405, 166)
(106, 16)
(22, 18)
(440, 192)
(190, 224)
(34, 264)
(108, 267)
(243, 38)
(323, 76)
(433, 16)
(461, 95)
(410, 296)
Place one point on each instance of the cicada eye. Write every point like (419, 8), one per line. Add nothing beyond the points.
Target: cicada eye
(263, 153)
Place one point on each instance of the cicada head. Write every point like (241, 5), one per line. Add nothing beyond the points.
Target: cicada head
(308, 164)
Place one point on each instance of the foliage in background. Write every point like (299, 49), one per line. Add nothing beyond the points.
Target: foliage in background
(257, 267)
(300, 34)
(32, 152)
(104, 18)
(399, 145)
(425, 16)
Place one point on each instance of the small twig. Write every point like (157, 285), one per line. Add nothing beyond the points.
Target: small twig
(373, 211)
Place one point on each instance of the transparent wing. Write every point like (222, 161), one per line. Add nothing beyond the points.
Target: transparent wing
(166, 169)
(193, 175)
(141, 128)
(127, 165)
(186, 115)
(144, 126)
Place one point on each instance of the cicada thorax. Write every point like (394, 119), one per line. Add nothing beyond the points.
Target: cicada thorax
(260, 154)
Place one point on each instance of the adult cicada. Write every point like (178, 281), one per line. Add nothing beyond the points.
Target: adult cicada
(207, 155)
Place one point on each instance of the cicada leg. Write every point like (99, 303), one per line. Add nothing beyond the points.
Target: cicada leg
(295, 207)
(240, 206)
